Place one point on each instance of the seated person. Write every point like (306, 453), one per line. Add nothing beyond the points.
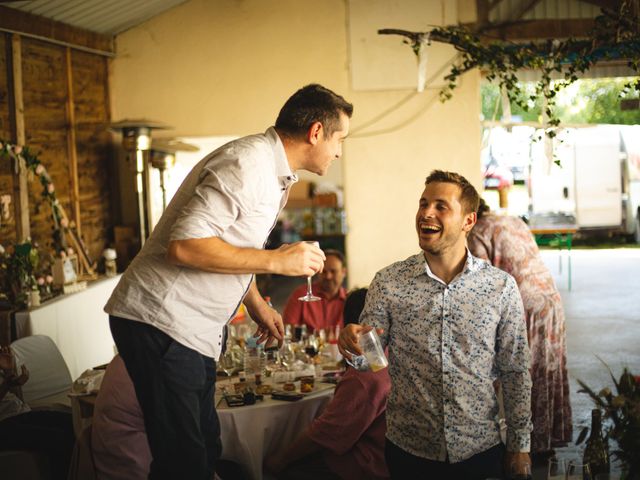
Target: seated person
(347, 440)
(46, 432)
(118, 435)
(327, 313)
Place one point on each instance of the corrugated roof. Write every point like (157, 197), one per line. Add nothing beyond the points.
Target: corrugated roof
(108, 17)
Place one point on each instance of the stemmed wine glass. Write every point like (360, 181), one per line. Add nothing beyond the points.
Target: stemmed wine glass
(310, 297)
(227, 363)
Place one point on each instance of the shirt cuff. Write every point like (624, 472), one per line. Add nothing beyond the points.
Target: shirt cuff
(518, 441)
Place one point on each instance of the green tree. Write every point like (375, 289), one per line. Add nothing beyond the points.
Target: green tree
(586, 101)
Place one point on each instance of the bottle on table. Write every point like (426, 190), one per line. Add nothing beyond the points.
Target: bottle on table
(254, 358)
(596, 452)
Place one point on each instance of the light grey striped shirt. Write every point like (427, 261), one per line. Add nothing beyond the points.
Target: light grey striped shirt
(236, 194)
(447, 345)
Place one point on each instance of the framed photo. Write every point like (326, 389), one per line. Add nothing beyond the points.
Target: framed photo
(65, 270)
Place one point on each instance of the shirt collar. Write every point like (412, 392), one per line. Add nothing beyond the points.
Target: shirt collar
(283, 170)
(421, 266)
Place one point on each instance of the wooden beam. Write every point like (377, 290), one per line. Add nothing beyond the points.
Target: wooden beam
(524, 9)
(606, 4)
(72, 153)
(540, 29)
(16, 21)
(18, 137)
(482, 13)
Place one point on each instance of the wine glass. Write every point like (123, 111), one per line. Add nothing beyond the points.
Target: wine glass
(310, 297)
(311, 346)
(227, 363)
(577, 470)
(288, 355)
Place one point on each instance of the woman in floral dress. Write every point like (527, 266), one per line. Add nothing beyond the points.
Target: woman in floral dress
(509, 245)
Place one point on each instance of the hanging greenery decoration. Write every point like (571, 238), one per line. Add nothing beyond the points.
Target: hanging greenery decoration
(615, 36)
(23, 158)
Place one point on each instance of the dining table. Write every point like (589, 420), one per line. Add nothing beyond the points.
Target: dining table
(250, 433)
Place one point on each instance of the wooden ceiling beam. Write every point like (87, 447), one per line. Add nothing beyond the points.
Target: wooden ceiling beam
(27, 24)
(606, 4)
(524, 9)
(539, 29)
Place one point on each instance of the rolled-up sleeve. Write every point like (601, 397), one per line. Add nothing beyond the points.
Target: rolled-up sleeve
(225, 191)
(513, 360)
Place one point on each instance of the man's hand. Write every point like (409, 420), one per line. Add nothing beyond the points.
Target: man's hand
(517, 463)
(14, 381)
(270, 326)
(298, 259)
(349, 337)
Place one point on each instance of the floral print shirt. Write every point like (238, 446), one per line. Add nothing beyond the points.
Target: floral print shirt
(447, 345)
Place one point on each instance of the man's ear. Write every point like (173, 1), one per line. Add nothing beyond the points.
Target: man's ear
(469, 221)
(314, 133)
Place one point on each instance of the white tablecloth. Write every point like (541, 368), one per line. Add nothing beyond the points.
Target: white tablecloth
(77, 324)
(251, 433)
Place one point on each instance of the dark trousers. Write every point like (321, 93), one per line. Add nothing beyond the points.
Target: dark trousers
(484, 465)
(175, 386)
(49, 433)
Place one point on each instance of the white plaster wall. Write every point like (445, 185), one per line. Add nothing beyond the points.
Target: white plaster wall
(224, 67)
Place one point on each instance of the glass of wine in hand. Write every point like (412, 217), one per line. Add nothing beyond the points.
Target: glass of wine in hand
(310, 297)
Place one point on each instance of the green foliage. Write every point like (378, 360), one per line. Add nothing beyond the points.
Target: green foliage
(616, 35)
(586, 101)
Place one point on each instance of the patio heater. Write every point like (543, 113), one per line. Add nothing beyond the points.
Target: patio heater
(136, 141)
(162, 156)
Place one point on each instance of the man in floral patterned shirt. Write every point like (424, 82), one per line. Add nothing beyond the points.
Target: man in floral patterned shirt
(453, 324)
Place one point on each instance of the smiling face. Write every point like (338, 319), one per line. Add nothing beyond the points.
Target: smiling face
(332, 275)
(326, 148)
(441, 222)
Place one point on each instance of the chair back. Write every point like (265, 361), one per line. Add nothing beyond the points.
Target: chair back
(48, 373)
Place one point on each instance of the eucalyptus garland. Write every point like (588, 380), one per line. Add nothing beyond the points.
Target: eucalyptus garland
(615, 36)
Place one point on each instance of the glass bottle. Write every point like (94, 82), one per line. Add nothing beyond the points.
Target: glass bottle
(254, 358)
(596, 453)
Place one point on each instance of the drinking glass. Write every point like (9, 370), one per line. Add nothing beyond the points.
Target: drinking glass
(557, 469)
(227, 363)
(288, 355)
(577, 470)
(310, 297)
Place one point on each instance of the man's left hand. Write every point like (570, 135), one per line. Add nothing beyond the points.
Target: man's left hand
(517, 463)
(270, 326)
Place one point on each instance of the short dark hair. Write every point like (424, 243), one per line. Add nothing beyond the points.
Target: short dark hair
(312, 103)
(336, 253)
(469, 197)
(353, 305)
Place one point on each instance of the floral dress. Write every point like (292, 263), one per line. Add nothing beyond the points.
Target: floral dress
(509, 245)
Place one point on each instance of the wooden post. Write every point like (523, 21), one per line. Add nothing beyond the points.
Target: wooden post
(16, 115)
(71, 145)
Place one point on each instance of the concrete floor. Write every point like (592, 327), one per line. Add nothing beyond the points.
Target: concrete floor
(602, 320)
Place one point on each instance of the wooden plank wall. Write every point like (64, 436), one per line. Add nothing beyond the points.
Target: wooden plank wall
(45, 87)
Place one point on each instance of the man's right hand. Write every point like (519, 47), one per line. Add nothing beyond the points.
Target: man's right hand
(348, 341)
(299, 259)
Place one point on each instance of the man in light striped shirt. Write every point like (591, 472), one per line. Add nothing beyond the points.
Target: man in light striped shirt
(168, 312)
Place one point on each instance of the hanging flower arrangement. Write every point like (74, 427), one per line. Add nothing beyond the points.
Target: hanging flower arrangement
(23, 158)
